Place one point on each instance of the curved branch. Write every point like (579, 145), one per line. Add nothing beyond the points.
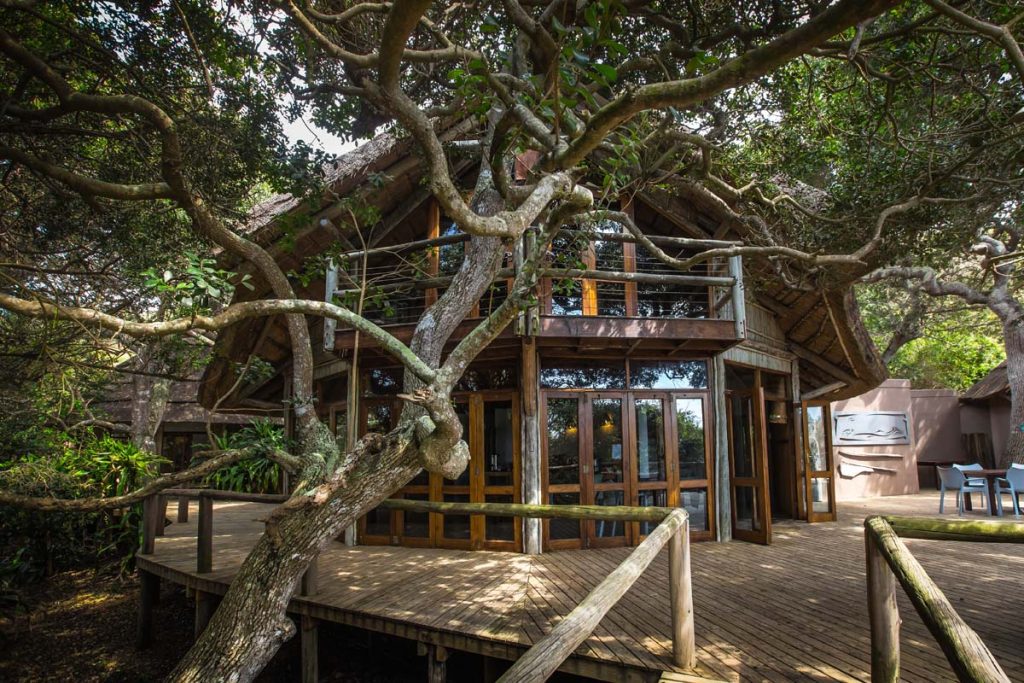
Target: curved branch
(929, 281)
(1000, 35)
(229, 316)
(155, 486)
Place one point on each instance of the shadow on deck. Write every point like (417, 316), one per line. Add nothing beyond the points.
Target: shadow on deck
(795, 610)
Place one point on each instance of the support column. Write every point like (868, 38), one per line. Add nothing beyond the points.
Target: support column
(310, 646)
(352, 428)
(206, 603)
(437, 658)
(723, 496)
(149, 594)
(530, 464)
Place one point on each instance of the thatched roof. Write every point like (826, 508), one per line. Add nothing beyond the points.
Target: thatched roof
(822, 328)
(994, 384)
(182, 407)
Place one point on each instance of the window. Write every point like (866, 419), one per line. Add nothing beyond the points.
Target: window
(584, 376)
(691, 374)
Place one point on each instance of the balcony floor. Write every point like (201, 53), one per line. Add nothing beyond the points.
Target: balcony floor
(791, 611)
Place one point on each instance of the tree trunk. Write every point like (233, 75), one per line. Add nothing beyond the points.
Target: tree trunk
(149, 402)
(1013, 335)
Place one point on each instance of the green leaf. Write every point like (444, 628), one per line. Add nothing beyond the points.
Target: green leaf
(608, 73)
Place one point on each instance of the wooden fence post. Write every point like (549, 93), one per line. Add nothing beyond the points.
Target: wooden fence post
(161, 514)
(437, 656)
(684, 648)
(883, 613)
(310, 646)
(149, 512)
(206, 603)
(182, 509)
(149, 591)
(204, 552)
(311, 579)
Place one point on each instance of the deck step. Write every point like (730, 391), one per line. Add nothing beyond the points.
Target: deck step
(675, 677)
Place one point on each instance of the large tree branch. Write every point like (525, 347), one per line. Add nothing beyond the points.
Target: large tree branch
(1001, 35)
(229, 316)
(154, 486)
(928, 280)
(739, 71)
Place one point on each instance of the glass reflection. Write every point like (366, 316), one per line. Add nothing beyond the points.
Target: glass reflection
(456, 526)
(650, 439)
(691, 374)
(566, 297)
(817, 442)
(696, 503)
(563, 441)
(606, 422)
(499, 528)
(690, 434)
(590, 376)
(416, 524)
(498, 443)
(742, 429)
(561, 529)
(607, 528)
(655, 498)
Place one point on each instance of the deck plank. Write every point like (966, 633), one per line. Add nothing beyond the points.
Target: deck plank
(791, 611)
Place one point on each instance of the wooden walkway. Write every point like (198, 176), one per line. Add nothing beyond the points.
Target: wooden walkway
(792, 611)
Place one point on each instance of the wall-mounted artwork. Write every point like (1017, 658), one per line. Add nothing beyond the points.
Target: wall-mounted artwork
(870, 428)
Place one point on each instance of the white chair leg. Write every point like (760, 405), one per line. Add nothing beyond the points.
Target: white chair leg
(960, 503)
(942, 499)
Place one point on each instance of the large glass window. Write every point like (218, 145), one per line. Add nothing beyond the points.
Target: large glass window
(690, 374)
(563, 441)
(606, 414)
(690, 436)
(584, 376)
(650, 439)
(498, 443)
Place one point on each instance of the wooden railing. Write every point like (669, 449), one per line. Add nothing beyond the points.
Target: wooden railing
(546, 655)
(890, 561)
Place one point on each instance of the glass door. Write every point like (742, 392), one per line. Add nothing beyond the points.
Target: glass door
(498, 463)
(649, 456)
(819, 476)
(562, 471)
(453, 531)
(748, 478)
(606, 466)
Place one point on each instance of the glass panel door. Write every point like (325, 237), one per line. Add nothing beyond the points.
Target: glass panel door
(819, 477)
(650, 454)
(562, 466)
(453, 531)
(748, 465)
(499, 466)
(693, 463)
(605, 475)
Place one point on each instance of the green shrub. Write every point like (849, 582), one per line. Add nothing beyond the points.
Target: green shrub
(252, 475)
(36, 543)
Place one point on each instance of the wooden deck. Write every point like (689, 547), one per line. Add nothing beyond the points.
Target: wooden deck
(791, 611)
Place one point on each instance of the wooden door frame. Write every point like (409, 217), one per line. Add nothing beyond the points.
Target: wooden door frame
(548, 489)
(808, 474)
(589, 487)
(708, 482)
(759, 480)
(671, 482)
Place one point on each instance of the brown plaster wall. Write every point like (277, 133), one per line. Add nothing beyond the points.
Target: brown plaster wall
(892, 395)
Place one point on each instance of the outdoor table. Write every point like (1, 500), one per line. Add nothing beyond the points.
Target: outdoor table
(990, 476)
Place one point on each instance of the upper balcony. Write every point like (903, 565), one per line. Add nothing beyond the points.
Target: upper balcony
(600, 289)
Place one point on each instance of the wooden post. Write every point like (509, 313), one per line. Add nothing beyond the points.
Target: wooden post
(310, 647)
(739, 303)
(684, 648)
(884, 616)
(720, 453)
(182, 509)
(205, 606)
(437, 656)
(530, 464)
(204, 550)
(311, 579)
(149, 512)
(161, 515)
(149, 593)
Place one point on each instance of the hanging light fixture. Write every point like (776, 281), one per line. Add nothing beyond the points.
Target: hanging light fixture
(777, 413)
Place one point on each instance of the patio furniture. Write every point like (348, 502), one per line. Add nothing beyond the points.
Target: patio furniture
(953, 479)
(1013, 484)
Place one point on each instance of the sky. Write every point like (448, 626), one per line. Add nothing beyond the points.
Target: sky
(306, 130)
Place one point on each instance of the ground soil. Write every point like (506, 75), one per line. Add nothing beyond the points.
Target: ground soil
(80, 626)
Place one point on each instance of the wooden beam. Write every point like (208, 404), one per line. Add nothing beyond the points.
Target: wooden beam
(821, 391)
(617, 513)
(883, 615)
(680, 589)
(399, 214)
(149, 595)
(204, 539)
(823, 364)
(310, 646)
(530, 464)
(206, 604)
(182, 509)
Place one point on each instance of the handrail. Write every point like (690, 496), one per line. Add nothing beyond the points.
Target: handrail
(612, 513)
(889, 560)
(547, 654)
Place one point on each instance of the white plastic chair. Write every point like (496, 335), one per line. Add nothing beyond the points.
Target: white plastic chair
(1012, 484)
(953, 479)
(971, 481)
